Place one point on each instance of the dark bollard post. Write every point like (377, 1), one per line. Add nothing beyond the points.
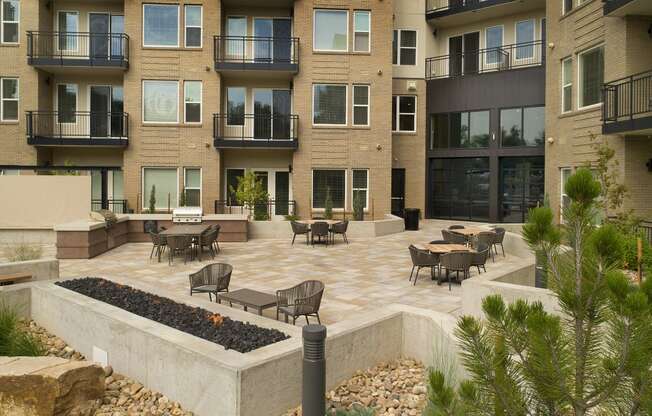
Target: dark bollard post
(313, 400)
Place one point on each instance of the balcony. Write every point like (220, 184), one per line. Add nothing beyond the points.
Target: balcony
(448, 13)
(622, 8)
(481, 61)
(255, 131)
(256, 53)
(77, 128)
(53, 50)
(627, 105)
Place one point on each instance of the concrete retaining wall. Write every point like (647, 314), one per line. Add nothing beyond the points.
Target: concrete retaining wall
(41, 269)
(357, 229)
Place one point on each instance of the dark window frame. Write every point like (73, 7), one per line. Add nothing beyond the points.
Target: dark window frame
(522, 125)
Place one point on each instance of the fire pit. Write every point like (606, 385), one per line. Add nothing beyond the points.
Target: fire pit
(239, 336)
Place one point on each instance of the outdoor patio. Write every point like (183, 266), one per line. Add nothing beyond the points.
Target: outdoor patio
(366, 274)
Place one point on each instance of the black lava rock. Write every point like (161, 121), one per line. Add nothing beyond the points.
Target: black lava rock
(240, 336)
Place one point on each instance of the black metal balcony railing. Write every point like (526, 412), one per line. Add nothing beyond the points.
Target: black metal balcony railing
(70, 127)
(482, 61)
(251, 52)
(118, 206)
(453, 5)
(262, 211)
(78, 49)
(627, 98)
(255, 130)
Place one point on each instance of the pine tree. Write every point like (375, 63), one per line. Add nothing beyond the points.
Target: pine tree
(152, 200)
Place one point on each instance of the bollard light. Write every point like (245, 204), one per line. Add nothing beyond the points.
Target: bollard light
(313, 395)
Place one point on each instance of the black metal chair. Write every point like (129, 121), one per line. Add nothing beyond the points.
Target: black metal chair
(456, 227)
(499, 237)
(453, 238)
(212, 279)
(320, 230)
(300, 229)
(340, 228)
(480, 256)
(456, 261)
(303, 299)
(421, 259)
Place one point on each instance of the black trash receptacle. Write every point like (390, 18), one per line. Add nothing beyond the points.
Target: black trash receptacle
(411, 217)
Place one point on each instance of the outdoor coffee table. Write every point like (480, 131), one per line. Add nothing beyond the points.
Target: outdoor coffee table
(250, 299)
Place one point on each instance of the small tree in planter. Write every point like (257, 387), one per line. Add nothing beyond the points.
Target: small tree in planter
(152, 200)
(358, 207)
(250, 192)
(328, 205)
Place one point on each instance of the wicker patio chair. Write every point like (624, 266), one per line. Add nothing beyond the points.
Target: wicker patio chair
(299, 228)
(340, 229)
(456, 261)
(499, 237)
(321, 231)
(216, 244)
(179, 244)
(301, 300)
(480, 256)
(488, 238)
(212, 279)
(208, 241)
(456, 227)
(159, 243)
(453, 238)
(421, 259)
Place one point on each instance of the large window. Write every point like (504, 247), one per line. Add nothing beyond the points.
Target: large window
(235, 106)
(567, 85)
(192, 101)
(494, 41)
(232, 179)
(522, 126)
(404, 113)
(9, 94)
(361, 105)
(328, 182)
(166, 187)
(522, 187)
(68, 25)
(591, 76)
(360, 188)
(404, 47)
(161, 25)
(10, 21)
(192, 186)
(331, 30)
(567, 6)
(161, 101)
(459, 188)
(66, 103)
(329, 104)
(361, 31)
(460, 130)
(525, 34)
(193, 19)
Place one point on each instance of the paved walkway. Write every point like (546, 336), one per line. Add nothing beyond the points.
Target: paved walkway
(367, 273)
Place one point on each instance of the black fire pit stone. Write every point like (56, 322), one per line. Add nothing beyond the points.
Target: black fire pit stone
(236, 335)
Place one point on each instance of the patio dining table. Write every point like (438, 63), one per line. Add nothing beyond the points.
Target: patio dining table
(311, 222)
(447, 248)
(468, 231)
(188, 230)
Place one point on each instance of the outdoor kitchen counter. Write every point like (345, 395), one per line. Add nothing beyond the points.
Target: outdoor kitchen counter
(85, 239)
(233, 228)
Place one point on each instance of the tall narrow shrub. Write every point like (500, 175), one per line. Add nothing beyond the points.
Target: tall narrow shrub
(152, 200)
(328, 204)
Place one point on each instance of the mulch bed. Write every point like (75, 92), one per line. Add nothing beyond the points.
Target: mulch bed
(239, 336)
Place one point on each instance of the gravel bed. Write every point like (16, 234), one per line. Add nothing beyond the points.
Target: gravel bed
(231, 334)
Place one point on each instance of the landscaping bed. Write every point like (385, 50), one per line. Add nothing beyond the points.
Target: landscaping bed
(239, 336)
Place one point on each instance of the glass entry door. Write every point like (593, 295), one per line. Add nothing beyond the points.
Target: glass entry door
(117, 43)
(272, 114)
(99, 29)
(282, 193)
(463, 54)
(100, 107)
(274, 44)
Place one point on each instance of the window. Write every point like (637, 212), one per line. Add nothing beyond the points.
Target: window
(235, 106)
(166, 187)
(10, 21)
(161, 25)
(9, 96)
(568, 6)
(232, 178)
(236, 26)
(329, 104)
(460, 130)
(192, 101)
(192, 186)
(404, 47)
(361, 105)
(565, 200)
(68, 27)
(525, 35)
(331, 30)
(66, 103)
(193, 16)
(361, 31)
(360, 187)
(494, 41)
(328, 182)
(522, 126)
(9, 172)
(404, 113)
(567, 85)
(591, 76)
(161, 101)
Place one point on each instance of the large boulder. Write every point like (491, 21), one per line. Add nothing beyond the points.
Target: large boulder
(46, 386)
